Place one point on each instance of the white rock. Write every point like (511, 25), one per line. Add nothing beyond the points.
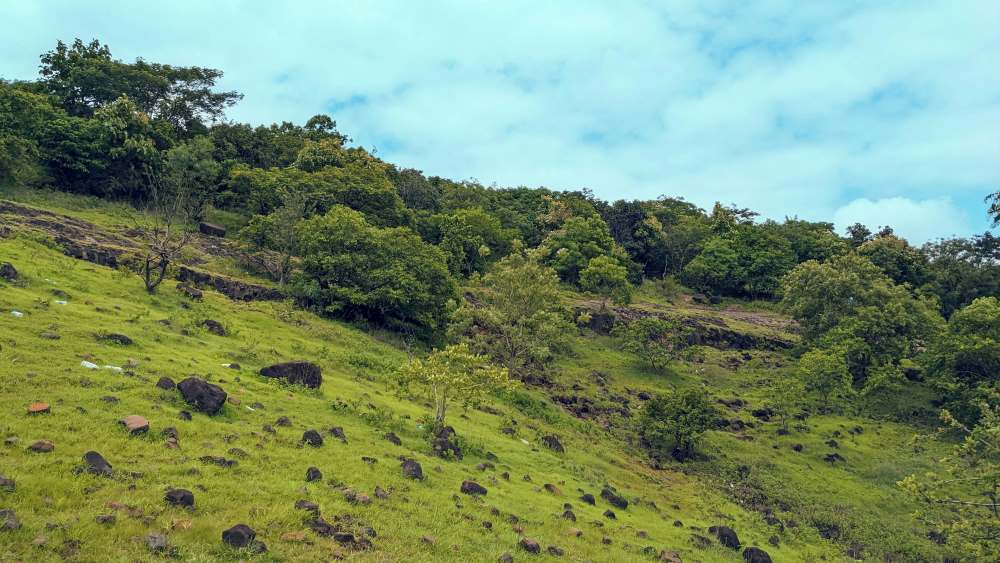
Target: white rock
(17, 314)
(88, 365)
(113, 368)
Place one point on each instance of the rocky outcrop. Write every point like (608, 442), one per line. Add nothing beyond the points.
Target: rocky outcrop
(234, 289)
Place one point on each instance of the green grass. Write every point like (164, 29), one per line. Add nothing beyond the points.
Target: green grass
(58, 505)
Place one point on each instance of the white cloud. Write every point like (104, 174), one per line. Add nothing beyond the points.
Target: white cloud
(788, 107)
(917, 221)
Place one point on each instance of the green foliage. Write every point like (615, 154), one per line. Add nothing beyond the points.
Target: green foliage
(605, 277)
(570, 248)
(962, 270)
(900, 261)
(715, 269)
(961, 498)
(824, 374)
(388, 275)
(472, 238)
(516, 317)
(189, 169)
(453, 373)
(277, 232)
(672, 423)
(655, 340)
(965, 360)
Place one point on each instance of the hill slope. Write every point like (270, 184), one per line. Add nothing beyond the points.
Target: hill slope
(750, 479)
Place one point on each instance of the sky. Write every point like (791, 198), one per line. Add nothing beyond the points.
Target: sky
(880, 112)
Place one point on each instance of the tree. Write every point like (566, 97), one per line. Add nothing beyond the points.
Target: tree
(190, 168)
(824, 373)
(277, 232)
(961, 499)
(764, 257)
(961, 270)
(516, 316)
(655, 340)
(85, 77)
(605, 277)
(570, 248)
(963, 362)
(900, 261)
(672, 423)
(386, 275)
(473, 239)
(163, 235)
(858, 234)
(452, 373)
(715, 270)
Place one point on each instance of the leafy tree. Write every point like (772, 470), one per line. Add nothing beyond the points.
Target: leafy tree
(453, 373)
(764, 258)
(961, 498)
(725, 219)
(277, 232)
(84, 77)
(516, 317)
(965, 360)
(190, 168)
(473, 239)
(388, 275)
(672, 423)
(961, 270)
(683, 240)
(716, 269)
(24, 117)
(858, 234)
(824, 374)
(580, 239)
(811, 241)
(605, 277)
(416, 191)
(655, 340)
(786, 399)
(899, 260)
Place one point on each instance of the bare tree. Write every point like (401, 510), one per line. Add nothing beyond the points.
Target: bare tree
(163, 233)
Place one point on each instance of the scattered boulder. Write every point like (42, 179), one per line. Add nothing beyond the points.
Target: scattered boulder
(135, 424)
(726, 536)
(283, 421)
(553, 443)
(7, 484)
(444, 444)
(313, 474)
(215, 327)
(612, 496)
(833, 458)
(308, 506)
(610, 514)
(338, 433)
(392, 437)
(166, 384)
(669, 557)
(312, 438)
(797, 447)
(8, 272)
(202, 395)
(569, 515)
(156, 542)
(552, 489)
(239, 536)
(412, 469)
(756, 555)
(472, 488)
(588, 498)
(38, 408)
(530, 545)
(42, 447)
(505, 558)
(184, 415)
(555, 551)
(9, 521)
(106, 519)
(95, 464)
(211, 229)
(179, 497)
(115, 338)
(298, 373)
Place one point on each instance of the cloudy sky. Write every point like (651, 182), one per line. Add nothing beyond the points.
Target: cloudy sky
(881, 112)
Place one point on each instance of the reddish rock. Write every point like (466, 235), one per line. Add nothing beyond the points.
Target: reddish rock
(135, 424)
(38, 408)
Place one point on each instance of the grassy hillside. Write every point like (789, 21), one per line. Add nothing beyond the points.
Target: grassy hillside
(791, 503)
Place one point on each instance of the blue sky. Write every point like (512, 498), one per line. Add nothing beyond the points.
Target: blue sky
(879, 112)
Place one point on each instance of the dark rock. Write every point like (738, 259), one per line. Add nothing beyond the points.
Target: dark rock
(556, 551)
(530, 545)
(95, 464)
(234, 289)
(312, 438)
(338, 432)
(412, 469)
(269, 429)
(472, 488)
(797, 447)
(588, 498)
(184, 415)
(299, 373)
(764, 413)
(569, 515)
(726, 536)
(202, 395)
(381, 493)
(106, 519)
(236, 452)
(612, 496)
(211, 229)
(444, 445)
(308, 506)
(8, 272)
(833, 458)
(166, 383)
(756, 555)
(610, 514)
(115, 338)
(239, 536)
(283, 421)
(215, 327)
(392, 437)
(192, 293)
(217, 460)
(8, 520)
(179, 497)
(156, 542)
(313, 474)
(505, 558)
(553, 443)
(7, 484)
(369, 460)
